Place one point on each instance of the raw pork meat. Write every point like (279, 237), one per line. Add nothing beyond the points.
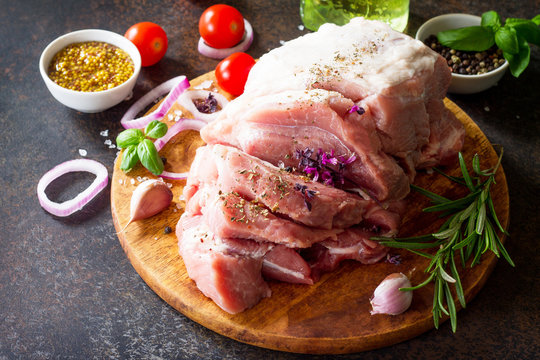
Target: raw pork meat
(359, 107)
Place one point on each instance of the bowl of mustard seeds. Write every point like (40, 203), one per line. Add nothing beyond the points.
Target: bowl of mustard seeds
(90, 70)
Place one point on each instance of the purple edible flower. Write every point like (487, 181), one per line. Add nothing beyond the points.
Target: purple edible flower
(208, 105)
(358, 109)
(393, 259)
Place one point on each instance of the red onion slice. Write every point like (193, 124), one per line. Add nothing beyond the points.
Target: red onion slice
(174, 176)
(186, 100)
(69, 207)
(242, 46)
(175, 87)
(181, 125)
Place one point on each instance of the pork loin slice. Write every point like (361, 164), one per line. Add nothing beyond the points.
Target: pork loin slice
(231, 170)
(228, 215)
(293, 120)
(227, 271)
(352, 244)
(285, 264)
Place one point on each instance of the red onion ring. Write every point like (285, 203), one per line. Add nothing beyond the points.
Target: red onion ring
(175, 87)
(186, 100)
(242, 46)
(69, 207)
(174, 176)
(181, 125)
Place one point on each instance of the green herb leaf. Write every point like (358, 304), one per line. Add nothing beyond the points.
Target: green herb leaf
(506, 39)
(472, 38)
(149, 157)
(491, 19)
(129, 158)
(129, 137)
(518, 62)
(536, 19)
(155, 129)
(526, 29)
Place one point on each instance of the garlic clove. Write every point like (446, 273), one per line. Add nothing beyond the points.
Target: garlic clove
(149, 198)
(388, 299)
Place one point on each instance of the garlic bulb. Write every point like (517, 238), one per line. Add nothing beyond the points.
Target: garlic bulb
(388, 299)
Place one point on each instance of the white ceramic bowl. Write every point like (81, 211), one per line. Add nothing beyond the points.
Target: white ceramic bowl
(90, 102)
(461, 84)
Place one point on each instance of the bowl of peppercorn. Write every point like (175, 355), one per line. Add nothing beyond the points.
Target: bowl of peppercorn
(90, 70)
(472, 71)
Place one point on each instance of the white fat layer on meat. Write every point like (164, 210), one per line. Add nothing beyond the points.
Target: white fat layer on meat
(367, 52)
(283, 270)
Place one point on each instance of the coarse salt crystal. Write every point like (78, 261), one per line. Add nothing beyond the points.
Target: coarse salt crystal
(170, 116)
(177, 112)
(83, 152)
(301, 27)
(132, 181)
(108, 142)
(486, 108)
(104, 133)
(282, 42)
(120, 181)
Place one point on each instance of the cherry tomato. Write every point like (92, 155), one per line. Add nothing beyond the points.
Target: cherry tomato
(150, 39)
(221, 26)
(232, 72)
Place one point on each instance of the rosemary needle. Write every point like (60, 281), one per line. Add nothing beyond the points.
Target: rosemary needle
(470, 231)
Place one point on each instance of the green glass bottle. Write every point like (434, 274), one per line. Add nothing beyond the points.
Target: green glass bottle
(314, 13)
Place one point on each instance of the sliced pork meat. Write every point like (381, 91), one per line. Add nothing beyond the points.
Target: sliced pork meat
(227, 271)
(353, 244)
(285, 264)
(359, 107)
(293, 196)
(293, 120)
(229, 215)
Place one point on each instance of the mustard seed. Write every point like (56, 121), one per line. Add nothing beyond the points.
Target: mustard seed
(91, 66)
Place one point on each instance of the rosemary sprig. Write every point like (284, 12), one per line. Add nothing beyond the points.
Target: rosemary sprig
(470, 231)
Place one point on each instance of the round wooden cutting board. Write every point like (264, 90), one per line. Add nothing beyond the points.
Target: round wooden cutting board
(331, 316)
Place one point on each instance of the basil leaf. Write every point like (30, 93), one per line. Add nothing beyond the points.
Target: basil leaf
(536, 19)
(525, 28)
(149, 157)
(506, 39)
(129, 137)
(472, 38)
(129, 158)
(491, 19)
(155, 129)
(518, 62)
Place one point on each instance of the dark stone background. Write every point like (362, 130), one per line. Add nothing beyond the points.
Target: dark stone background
(67, 290)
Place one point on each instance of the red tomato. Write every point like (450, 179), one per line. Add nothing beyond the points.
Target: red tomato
(221, 26)
(150, 39)
(232, 72)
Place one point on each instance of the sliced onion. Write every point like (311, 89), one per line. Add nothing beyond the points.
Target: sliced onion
(174, 176)
(242, 46)
(69, 207)
(181, 125)
(175, 87)
(186, 100)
